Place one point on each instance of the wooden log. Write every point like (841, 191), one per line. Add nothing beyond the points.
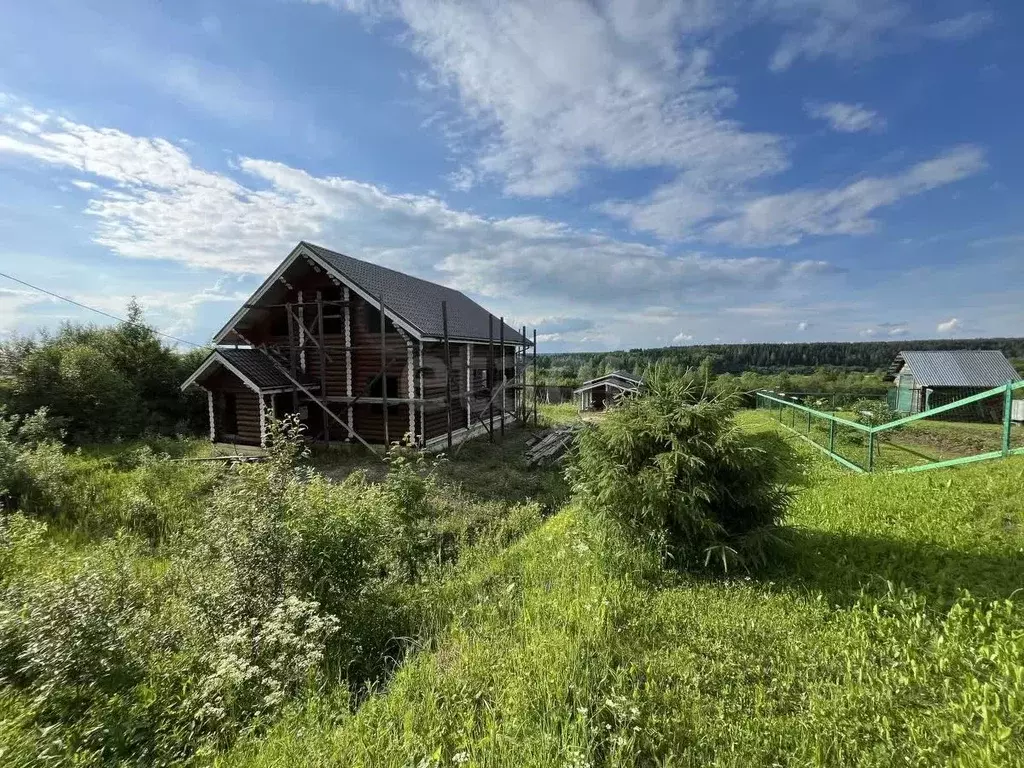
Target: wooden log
(504, 378)
(291, 355)
(447, 371)
(323, 364)
(383, 370)
(535, 377)
(490, 374)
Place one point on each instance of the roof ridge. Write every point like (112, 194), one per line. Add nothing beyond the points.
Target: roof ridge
(386, 269)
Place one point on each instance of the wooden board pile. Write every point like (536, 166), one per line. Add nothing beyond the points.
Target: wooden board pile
(550, 446)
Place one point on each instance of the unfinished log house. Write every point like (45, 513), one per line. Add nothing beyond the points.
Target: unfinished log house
(362, 353)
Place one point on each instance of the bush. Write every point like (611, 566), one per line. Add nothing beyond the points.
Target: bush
(673, 469)
(211, 607)
(874, 412)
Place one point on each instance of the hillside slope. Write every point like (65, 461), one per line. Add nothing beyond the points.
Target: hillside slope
(885, 634)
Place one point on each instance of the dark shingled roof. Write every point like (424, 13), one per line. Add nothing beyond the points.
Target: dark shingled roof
(975, 368)
(417, 301)
(258, 368)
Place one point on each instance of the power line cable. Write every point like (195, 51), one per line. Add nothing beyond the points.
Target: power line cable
(100, 311)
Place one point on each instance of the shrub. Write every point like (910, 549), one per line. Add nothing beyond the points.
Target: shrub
(32, 466)
(256, 667)
(874, 412)
(673, 469)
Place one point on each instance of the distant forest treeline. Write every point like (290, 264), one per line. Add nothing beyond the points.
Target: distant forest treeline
(861, 356)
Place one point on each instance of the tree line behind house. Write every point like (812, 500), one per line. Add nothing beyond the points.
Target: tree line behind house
(826, 363)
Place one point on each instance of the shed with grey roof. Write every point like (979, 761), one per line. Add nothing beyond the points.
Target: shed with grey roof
(601, 392)
(926, 379)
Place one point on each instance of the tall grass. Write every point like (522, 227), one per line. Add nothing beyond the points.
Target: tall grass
(887, 633)
(152, 611)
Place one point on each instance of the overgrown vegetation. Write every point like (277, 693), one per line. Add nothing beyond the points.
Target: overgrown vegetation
(886, 633)
(153, 610)
(302, 611)
(102, 383)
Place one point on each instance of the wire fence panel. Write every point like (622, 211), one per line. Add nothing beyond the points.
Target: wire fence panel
(868, 435)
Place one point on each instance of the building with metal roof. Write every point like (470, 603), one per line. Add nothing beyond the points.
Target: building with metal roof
(927, 379)
(598, 393)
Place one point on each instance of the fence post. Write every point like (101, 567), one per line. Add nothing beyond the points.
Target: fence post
(808, 422)
(831, 435)
(871, 450)
(1007, 417)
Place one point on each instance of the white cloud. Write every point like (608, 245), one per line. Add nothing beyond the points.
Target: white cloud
(898, 330)
(803, 325)
(851, 30)
(538, 95)
(960, 27)
(13, 303)
(157, 204)
(846, 118)
(559, 325)
(555, 89)
(682, 338)
(845, 29)
(868, 332)
(949, 326)
(787, 218)
(82, 184)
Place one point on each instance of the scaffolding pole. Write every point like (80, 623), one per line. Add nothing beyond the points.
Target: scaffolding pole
(383, 372)
(490, 374)
(447, 371)
(535, 377)
(299, 385)
(291, 356)
(323, 363)
(522, 398)
(504, 377)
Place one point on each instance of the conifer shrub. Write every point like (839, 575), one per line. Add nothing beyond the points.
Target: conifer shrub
(672, 468)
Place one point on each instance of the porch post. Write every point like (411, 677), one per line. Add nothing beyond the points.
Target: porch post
(348, 358)
(213, 426)
(263, 420)
(469, 383)
(412, 389)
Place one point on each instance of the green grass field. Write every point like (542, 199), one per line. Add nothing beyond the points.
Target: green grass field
(887, 632)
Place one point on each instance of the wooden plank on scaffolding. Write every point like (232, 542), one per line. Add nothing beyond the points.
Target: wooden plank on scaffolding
(504, 379)
(299, 385)
(291, 356)
(323, 364)
(383, 371)
(447, 371)
(317, 343)
(535, 377)
(522, 389)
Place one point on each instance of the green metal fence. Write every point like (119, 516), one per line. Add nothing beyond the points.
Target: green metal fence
(926, 440)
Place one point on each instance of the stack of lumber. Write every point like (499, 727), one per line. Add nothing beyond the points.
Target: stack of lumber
(550, 446)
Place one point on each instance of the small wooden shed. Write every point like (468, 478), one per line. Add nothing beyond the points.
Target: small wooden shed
(928, 379)
(598, 394)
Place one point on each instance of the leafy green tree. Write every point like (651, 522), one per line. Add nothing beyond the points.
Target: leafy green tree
(102, 383)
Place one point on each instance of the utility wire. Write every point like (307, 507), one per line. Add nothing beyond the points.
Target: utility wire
(100, 311)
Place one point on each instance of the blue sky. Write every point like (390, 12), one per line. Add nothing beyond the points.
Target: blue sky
(619, 173)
